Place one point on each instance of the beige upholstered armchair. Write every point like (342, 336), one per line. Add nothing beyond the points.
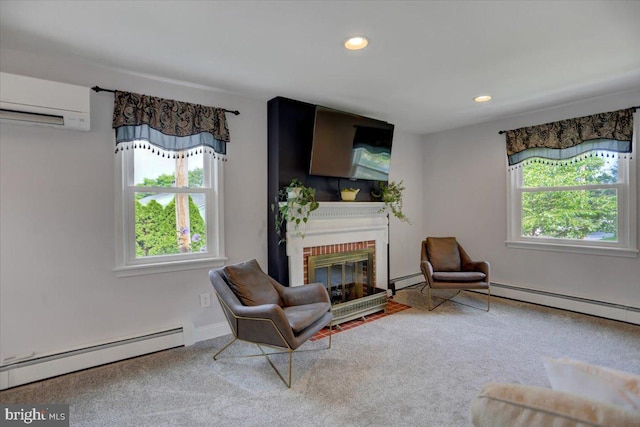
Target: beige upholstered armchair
(445, 265)
(262, 311)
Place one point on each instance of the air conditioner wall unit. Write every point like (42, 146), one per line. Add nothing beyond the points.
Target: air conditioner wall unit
(35, 101)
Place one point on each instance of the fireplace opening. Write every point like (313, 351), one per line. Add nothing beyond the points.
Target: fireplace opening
(349, 279)
(346, 275)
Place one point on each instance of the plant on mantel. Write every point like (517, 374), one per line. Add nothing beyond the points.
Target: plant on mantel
(293, 205)
(391, 196)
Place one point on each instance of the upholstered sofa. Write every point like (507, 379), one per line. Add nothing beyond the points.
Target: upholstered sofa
(581, 395)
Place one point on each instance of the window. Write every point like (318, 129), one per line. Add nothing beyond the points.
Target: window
(169, 203)
(585, 204)
(169, 211)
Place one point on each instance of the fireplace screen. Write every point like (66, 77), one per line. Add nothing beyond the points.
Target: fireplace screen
(347, 275)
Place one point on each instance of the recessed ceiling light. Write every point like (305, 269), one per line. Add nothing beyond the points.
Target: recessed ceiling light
(356, 43)
(482, 98)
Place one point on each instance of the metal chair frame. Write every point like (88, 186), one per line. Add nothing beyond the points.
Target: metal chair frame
(426, 285)
(286, 347)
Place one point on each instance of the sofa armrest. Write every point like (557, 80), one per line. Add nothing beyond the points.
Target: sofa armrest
(518, 405)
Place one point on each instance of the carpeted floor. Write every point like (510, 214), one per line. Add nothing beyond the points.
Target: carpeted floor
(413, 368)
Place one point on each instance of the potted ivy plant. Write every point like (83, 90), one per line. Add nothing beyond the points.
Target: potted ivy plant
(391, 196)
(294, 205)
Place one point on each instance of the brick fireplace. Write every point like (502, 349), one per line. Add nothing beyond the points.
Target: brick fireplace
(337, 227)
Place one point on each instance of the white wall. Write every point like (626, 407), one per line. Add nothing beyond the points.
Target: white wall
(57, 285)
(465, 196)
(405, 239)
(58, 290)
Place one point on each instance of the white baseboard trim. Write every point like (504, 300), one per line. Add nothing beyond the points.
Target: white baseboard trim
(409, 280)
(4, 380)
(566, 302)
(51, 365)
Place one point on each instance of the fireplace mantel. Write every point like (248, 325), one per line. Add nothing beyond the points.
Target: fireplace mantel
(337, 223)
(337, 210)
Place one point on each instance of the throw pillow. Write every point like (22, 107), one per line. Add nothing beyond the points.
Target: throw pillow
(443, 253)
(251, 285)
(595, 382)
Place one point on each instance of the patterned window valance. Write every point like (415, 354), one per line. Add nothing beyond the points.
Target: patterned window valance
(565, 139)
(168, 124)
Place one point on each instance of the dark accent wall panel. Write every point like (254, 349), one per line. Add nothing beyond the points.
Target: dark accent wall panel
(290, 127)
(290, 134)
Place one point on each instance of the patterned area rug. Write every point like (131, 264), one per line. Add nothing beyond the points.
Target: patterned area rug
(392, 308)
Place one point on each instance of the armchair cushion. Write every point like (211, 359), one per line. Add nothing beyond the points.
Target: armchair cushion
(301, 317)
(251, 285)
(443, 253)
(458, 276)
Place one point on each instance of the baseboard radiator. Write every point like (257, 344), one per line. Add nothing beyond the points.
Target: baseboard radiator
(604, 309)
(405, 281)
(36, 368)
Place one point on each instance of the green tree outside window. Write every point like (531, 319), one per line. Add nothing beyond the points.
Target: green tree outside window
(550, 211)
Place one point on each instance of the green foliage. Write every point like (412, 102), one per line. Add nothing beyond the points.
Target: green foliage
(196, 178)
(592, 170)
(569, 214)
(156, 231)
(294, 204)
(198, 227)
(391, 194)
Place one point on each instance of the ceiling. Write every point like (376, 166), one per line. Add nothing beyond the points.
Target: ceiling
(424, 63)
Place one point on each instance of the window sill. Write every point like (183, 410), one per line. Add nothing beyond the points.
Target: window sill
(576, 249)
(168, 267)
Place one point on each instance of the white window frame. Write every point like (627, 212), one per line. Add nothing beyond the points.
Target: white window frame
(626, 246)
(126, 262)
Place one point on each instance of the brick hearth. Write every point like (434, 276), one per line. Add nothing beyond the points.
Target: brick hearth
(392, 308)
